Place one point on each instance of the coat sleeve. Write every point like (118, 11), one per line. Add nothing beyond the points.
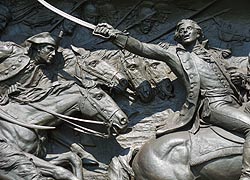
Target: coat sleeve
(150, 51)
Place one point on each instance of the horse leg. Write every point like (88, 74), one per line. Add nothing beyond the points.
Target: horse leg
(14, 164)
(71, 158)
(166, 158)
(51, 170)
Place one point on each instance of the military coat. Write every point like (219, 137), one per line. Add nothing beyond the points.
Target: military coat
(181, 63)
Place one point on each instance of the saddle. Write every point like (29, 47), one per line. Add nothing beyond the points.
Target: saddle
(214, 142)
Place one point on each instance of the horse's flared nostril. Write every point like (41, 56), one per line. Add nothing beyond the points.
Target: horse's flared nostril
(123, 83)
(147, 92)
(123, 121)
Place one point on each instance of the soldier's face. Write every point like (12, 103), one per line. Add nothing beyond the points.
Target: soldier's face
(146, 26)
(188, 33)
(47, 53)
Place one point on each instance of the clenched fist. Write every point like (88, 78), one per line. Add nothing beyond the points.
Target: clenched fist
(106, 31)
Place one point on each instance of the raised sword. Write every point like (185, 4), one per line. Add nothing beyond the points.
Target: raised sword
(67, 16)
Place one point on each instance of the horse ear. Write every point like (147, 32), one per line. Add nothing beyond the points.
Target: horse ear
(87, 82)
(76, 50)
(80, 51)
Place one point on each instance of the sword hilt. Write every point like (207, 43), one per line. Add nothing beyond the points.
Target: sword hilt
(101, 35)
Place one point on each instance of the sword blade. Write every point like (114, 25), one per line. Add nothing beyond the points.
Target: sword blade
(67, 16)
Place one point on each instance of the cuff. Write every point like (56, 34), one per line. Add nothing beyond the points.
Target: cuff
(120, 40)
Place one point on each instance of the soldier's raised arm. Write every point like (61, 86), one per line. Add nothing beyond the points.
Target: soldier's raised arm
(124, 41)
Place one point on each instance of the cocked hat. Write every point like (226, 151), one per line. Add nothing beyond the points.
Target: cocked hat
(42, 38)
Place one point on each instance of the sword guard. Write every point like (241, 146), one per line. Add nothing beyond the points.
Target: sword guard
(108, 36)
(106, 31)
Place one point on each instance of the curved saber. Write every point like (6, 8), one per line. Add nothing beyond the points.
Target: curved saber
(67, 16)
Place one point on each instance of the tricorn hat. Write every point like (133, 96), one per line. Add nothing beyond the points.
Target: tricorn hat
(42, 38)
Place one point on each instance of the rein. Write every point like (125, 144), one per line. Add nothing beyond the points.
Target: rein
(63, 117)
(10, 119)
(75, 126)
(104, 115)
(68, 120)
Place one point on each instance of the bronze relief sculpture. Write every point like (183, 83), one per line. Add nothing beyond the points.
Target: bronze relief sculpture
(40, 90)
(72, 104)
(212, 98)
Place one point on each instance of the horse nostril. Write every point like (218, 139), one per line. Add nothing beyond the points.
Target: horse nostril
(147, 92)
(123, 82)
(123, 121)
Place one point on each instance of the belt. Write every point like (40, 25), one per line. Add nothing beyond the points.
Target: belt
(216, 92)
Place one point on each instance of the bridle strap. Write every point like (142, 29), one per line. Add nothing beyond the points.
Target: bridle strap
(61, 116)
(101, 112)
(114, 75)
(84, 129)
(92, 72)
(8, 118)
(108, 118)
(75, 126)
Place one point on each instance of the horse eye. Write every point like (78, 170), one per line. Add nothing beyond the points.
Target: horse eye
(154, 65)
(132, 67)
(99, 96)
(93, 63)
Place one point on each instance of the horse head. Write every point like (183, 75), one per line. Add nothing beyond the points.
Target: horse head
(160, 76)
(97, 104)
(92, 66)
(134, 67)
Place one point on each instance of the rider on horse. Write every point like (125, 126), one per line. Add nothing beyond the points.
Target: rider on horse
(211, 94)
(17, 72)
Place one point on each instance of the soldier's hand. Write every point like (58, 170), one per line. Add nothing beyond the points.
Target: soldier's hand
(236, 75)
(106, 31)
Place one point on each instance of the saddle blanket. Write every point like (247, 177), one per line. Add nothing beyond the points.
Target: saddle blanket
(213, 142)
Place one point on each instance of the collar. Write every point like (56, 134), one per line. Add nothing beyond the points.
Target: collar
(200, 50)
(203, 44)
(180, 47)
